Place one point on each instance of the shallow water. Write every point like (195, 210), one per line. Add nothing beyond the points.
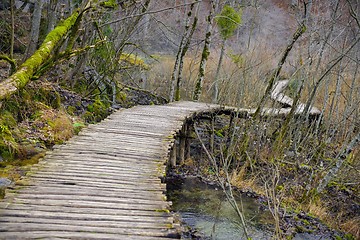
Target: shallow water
(205, 208)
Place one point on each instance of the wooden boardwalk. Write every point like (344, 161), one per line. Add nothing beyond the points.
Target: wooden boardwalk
(103, 183)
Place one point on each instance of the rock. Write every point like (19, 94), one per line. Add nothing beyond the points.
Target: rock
(4, 182)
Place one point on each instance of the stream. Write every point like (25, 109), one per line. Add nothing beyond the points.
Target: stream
(205, 209)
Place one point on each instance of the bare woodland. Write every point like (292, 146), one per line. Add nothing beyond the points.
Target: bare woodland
(222, 51)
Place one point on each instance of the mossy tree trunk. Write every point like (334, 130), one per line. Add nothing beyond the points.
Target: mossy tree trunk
(205, 53)
(29, 68)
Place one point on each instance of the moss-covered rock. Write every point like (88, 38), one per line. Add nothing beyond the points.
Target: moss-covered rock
(97, 111)
(49, 97)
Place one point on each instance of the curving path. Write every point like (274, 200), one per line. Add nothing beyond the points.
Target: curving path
(105, 182)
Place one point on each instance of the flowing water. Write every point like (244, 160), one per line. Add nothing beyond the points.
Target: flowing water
(205, 208)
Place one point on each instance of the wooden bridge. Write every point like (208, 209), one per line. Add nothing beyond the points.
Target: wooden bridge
(105, 183)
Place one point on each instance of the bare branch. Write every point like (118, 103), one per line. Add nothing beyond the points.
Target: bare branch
(148, 12)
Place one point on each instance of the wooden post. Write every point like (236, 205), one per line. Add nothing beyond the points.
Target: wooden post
(182, 144)
(173, 155)
(212, 134)
(231, 128)
(188, 140)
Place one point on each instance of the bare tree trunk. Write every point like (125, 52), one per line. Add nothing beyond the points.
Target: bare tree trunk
(317, 84)
(179, 53)
(352, 100)
(35, 29)
(52, 16)
(205, 53)
(81, 59)
(186, 47)
(216, 80)
(12, 36)
(341, 157)
(299, 31)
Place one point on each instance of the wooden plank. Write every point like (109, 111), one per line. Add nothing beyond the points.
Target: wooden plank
(86, 189)
(92, 198)
(92, 223)
(91, 204)
(73, 217)
(18, 235)
(99, 176)
(124, 173)
(102, 211)
(10, 227)
(76, 179)
(98, 167)
(60, 184)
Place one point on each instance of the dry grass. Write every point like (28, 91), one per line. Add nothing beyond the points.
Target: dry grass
(250, 184)
(58, 126)
(318, 210)
(352, 226)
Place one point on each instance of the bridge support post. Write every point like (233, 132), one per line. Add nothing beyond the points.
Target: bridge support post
(231, 128)
(212, 133)
(182, 144)
(188, 139)
(173, 156)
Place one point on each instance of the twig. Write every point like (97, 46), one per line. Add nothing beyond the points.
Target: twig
(229, 194)
(149, 12)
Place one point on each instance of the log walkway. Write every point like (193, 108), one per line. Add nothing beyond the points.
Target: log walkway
(104, 183)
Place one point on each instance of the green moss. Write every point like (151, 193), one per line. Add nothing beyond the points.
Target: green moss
(33, 160)
(279, 187)
(121, 96)
(133, 60)
(78, 126)
(97, 111)
(300, 229)
(8, 145)
(306, 222)
(162, 210)
(71, 110)
(349, 236)
(8, 119)
(109, 4)
(49, 97)
(219, 133)
(2, 192)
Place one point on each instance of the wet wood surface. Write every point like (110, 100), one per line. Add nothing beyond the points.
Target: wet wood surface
(104, 183)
